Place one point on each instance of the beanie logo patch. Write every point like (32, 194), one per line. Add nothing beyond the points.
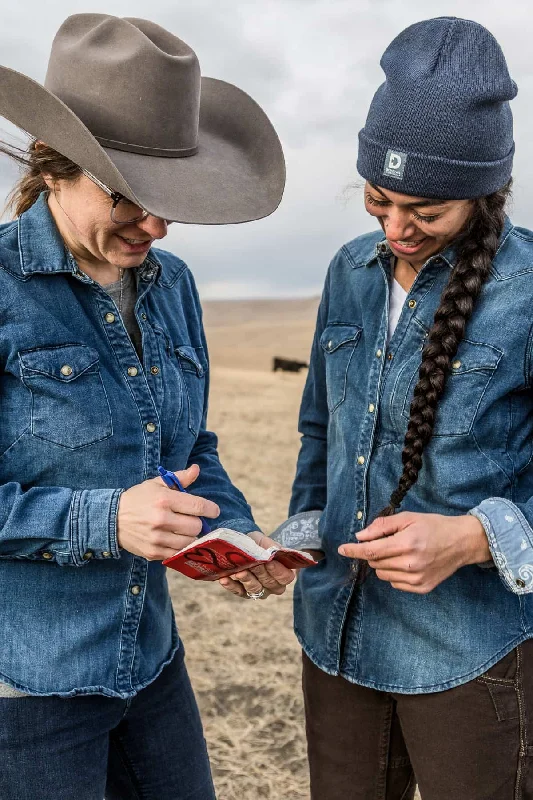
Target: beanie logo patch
(395, 162)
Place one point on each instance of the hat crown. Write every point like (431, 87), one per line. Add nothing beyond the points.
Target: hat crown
(445, 50)
(117, 75)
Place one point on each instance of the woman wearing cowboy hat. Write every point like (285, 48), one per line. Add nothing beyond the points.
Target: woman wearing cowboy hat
(419, 401)
(104, 377)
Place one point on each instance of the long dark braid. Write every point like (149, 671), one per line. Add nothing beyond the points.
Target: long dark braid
(476, 248)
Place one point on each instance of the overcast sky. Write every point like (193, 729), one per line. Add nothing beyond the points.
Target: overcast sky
(313, 65)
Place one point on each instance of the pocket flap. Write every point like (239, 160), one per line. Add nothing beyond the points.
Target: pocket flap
(335, 336)
(475, 357)
(192, 359)
(63, 363)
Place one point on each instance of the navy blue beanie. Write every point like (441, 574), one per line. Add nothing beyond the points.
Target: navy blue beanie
(441, 125)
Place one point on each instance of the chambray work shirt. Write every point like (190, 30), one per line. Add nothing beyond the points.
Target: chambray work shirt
(82, 418)
(353, 421)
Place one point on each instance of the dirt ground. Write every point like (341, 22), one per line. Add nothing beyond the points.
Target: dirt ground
(243, 658)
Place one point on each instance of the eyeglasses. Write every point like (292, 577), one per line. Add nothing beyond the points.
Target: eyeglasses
(122, 210)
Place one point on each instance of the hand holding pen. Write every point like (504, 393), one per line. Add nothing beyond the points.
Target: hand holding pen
(155, 523)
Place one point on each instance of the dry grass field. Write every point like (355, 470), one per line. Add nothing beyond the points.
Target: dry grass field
(243, 658)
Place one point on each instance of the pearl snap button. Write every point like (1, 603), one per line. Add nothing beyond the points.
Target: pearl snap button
(135, 590)
(359, 515)
(66, 370)
(379, 353)
(132, 371)
(150, 427)
(87, 556)
(361, 460)
(154, 370)
(109, 317)
(412, 303)
(371, 408)
(48, 556)
(106, 554)
(456, 364)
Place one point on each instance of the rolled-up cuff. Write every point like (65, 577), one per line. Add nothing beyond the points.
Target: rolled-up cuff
(300, 531)
(510, 540)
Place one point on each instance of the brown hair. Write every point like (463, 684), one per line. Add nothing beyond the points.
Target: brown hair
(476, 247)
(36, 161)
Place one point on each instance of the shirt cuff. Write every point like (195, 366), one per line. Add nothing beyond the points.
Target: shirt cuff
(510, 540)
(93, 525)
(240, 525)
(300, 531)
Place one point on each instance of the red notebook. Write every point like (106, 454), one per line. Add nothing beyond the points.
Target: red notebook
(224, 552)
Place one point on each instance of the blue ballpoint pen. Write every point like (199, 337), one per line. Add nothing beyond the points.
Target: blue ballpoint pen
(173, 483)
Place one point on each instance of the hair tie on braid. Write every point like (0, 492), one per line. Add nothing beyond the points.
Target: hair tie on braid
(476, 246)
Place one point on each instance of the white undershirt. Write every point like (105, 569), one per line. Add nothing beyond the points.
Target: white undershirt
(397, 300)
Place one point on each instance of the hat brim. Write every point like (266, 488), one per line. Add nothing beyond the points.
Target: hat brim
(237, 175)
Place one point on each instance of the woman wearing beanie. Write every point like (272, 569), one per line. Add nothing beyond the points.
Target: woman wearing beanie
(415, 476)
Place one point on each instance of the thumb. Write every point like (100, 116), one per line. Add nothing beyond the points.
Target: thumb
(188, 476)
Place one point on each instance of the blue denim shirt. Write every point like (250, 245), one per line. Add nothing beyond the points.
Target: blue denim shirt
(353, 421)
(78, 426)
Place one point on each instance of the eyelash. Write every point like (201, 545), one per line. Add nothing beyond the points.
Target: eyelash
(373, 202)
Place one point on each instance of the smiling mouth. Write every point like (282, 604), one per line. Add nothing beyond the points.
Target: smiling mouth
(408, 244)
(135, 241)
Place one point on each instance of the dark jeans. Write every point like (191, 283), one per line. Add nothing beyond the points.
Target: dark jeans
(150, 747)
(474, 742)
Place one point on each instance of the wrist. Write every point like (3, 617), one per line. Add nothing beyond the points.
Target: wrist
(476, 548)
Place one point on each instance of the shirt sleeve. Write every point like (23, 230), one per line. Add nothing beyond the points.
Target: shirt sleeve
(67, 526)
(309, 491)
(510, 538)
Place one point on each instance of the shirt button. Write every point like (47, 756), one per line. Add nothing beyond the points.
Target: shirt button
(109, 317)
(154, 370)
(379, 353)
(132, 371)
(330, 345)
(456, 364)
(106, 554)
(66, 370)
(519, 582)
(371, 408)
(48, 556)
(144, 317)
(359, 515)
(412, 304)
(135, 590)
(150, 427)
(87, 556)
(389, 356)
(361, 460)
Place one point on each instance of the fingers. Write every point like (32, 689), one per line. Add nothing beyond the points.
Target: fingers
(374, 550)
(181, 503)
(265, 578)
(243, 582)
(385, 526)
(280, 573)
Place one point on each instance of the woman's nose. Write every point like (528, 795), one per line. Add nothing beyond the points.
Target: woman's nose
(155, 227)
(398, 225)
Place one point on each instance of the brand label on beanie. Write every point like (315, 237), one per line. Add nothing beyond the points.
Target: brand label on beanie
(395, 164)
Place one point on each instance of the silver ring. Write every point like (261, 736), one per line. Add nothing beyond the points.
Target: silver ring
(256, 595)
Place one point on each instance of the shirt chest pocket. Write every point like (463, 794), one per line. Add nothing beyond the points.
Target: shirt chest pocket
(193, 366)
(339, 342)
(471, 372)
(69, 405)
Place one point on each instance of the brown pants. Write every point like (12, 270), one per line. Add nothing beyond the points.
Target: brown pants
(474, 742)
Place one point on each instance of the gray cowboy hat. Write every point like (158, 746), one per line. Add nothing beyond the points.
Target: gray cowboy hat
(124, 100)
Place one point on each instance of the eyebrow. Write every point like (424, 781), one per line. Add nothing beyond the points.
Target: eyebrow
(425, 202)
